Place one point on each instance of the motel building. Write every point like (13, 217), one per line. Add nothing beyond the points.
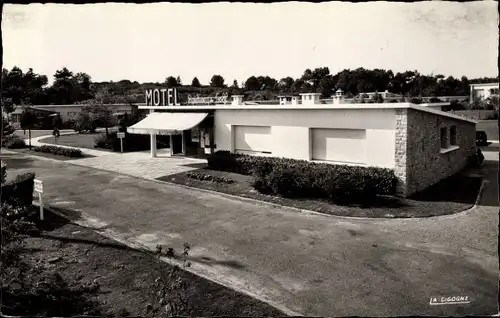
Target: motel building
(421, 143)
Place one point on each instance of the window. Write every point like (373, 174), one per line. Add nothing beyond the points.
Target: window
(453, 135)
(444, 138)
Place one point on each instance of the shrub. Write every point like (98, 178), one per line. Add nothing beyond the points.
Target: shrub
(434, 100)
(13, 142)
(416, 100)
(300, 178)
(103, 141)
(67, 152)
(131, 142)
(207, 177)
(3, 173)
(19, 192)
(475, 160)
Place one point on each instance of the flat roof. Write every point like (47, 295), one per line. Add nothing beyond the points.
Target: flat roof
(484, 84)
(429, 107)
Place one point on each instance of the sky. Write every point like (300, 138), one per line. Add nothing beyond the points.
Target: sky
(148, 42)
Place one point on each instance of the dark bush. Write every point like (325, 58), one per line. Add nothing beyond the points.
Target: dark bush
(19, 192)
(13, 142)
(475, 160)
(131, 142)
(300, 178)
(103, 141)
(67, 152)
(207, 177)
(416, 100)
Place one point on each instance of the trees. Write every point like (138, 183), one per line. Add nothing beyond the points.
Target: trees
(235, 84)
(93, 116)
(285, 85)
(171, 82)
(195, 82)
(28, 121)
(23, 88)
(252, 84)
(314, 77)
(217, 81)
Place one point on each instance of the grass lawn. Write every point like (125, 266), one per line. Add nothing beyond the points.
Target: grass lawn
(47, 155)
(76, 140)
(447, 197)
(36, 133)
(122, 280)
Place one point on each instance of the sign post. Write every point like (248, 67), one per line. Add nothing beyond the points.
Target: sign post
(39, 189)
(121, 135)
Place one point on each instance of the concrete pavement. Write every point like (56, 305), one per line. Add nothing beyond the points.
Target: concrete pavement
(309, 264)
(138, 164)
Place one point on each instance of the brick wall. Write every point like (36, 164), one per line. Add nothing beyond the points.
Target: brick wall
(419, 160)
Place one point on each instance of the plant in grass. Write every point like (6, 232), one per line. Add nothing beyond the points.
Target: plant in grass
(210, 178)
(171, 288)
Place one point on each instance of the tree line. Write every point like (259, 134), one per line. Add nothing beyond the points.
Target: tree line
(30, 88)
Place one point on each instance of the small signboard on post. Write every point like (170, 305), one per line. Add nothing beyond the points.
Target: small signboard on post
(39, 189)
(121, 135)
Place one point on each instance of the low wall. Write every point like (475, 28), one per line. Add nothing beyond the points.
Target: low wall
(475, 114)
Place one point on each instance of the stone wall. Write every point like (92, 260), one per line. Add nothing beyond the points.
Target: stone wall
(420, 161)
(400, 165)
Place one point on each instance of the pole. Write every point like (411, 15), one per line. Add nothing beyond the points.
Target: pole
(40, 198)
(121, 144)
(29, 132)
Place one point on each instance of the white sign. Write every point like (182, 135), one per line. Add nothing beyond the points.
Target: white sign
(120, 135)
(164, 97)
(39, 189)
(217, 99)
(38, 186)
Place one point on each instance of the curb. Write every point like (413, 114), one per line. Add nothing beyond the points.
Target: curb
(37, 142)
(305, 211)
(106, 232)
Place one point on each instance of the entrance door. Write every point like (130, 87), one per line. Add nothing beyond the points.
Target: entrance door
(177, 144)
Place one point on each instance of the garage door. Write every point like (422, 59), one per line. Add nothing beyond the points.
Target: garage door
(342, 145)
(252, 139)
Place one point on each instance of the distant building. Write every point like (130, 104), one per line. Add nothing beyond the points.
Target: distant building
(482, 91)
(67, 112)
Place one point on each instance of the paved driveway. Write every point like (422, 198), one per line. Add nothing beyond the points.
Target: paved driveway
(310, 264)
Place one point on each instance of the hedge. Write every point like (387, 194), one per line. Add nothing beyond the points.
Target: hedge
(131, 142)
(67, 152)
(19, 192)
(300, 178)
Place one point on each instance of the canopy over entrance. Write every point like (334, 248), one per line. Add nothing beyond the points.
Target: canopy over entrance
(167, 123)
